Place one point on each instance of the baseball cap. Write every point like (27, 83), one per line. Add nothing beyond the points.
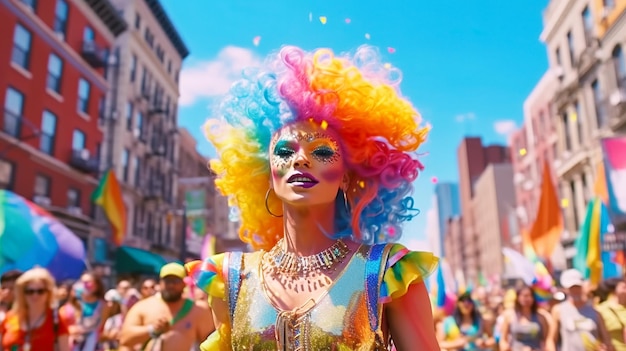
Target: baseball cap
(173, 269)
(571, 277)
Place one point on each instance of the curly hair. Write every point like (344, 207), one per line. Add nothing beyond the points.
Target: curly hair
(355, 95)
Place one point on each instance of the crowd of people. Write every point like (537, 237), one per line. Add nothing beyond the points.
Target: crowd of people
(577, 317)
(39, 314)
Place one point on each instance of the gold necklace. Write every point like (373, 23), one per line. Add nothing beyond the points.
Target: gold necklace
(288, 263)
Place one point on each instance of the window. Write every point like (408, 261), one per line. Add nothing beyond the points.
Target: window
(30, 3)
(78, 140)
(565, 120)
(55, 71)
(88, 35)
(572, 187)
(587, 24)
(579, 124)
(599, 104)
(101, 107)
(609, 4)
(169, 66)
(129, 116)
(570, 45)
(48, 130)
(137, 171)
(21, 47)
(42, 185)
(13, 109)
(73, 197)
(139, 126)
(7, 175)
(620, 65)
(137, 21)
(125, 159)
(60, 17)
(133, 67)
(83, 95)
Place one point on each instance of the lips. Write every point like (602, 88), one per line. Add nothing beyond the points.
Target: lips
(303, 180)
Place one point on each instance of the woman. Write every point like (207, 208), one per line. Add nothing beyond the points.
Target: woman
(526, 326)
(113, 324)
(86, 313)
(315, 152)
(32, 323)
(464, 329)
(613, 310)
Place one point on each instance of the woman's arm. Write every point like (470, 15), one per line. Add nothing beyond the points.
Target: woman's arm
(553, 334)
(546, 323)
(604, 334)
(63, 343)
(504, 332)
(448, 345)
(411, 320)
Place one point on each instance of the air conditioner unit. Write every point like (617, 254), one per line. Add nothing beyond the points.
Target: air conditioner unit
(84, 154)
(42, 200)
(75, 211)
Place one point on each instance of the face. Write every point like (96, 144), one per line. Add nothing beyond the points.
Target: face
(525, 298)
(466, 306)
(89, 283)
(62, 293)
(35, 292)
(620, 290)
(6, 292)
(123, 286)
(172, 288)
(576, 293)
(307, 165)
(148, 288)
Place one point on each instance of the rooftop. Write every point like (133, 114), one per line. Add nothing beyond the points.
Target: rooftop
(159, 13)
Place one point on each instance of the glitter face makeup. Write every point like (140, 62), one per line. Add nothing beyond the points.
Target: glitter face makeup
(322, 147)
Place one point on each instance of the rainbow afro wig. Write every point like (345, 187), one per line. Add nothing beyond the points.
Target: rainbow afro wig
(355, 95)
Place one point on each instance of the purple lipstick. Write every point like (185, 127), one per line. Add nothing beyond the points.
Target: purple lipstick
(303, 180)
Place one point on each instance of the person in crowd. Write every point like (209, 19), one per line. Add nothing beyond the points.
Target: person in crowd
(113, 324)
(526, 326)
(613, 310)
(63, 292)
(464, 329)
(122, 287)
(7, 284)
(577, 326)
(86, 313)
(316, 153)
(166, 320)
(33, 324)
(148, 288)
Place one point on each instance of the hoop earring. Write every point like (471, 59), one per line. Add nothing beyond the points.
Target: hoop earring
(267, 207)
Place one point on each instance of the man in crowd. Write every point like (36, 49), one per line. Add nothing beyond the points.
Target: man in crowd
(7, 283)
(167, 318)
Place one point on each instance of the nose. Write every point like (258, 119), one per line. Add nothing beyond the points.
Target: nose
(301, 161)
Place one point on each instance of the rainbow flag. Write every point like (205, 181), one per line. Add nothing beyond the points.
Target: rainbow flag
(108, 195)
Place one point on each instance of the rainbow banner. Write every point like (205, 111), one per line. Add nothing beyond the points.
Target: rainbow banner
(108, 195)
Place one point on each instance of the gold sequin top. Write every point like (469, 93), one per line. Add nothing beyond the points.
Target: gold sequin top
(346, 318)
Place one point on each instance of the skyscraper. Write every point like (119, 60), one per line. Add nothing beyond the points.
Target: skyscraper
(448, 205)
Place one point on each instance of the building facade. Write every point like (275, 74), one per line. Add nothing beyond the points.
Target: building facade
(473, 158)
(584, 39)
(534, 143)
(53, 87)
(495, 196)
(454, 241)
(448, 206)
(142, 142)
(434, 237)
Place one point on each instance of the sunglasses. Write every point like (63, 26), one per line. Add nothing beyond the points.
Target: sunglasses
(35, 291)
(148, 286)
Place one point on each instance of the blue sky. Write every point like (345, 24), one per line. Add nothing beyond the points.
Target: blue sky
(467, 65)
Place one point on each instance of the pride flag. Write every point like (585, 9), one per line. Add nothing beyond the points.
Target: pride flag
(108, 195)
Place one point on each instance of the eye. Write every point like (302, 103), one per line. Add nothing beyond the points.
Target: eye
(324, 151)
(283, 152)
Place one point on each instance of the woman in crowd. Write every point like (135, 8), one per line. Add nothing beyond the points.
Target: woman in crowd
(525, 327)
(463, 330)
(113, 324)
(32, 323)
(613, 310)
(316, 151)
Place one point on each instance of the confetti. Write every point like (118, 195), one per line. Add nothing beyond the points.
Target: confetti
(323, 19)
(324, 125)
(522, 152)
(564, 203)
(387, 65)
(434, 180)
(257, 40)
(310, 16)
(367, 36)
(348, 21)
(391, 50)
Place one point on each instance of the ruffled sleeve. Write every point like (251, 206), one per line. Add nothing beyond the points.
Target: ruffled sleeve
(208, 275)
(405, 267)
